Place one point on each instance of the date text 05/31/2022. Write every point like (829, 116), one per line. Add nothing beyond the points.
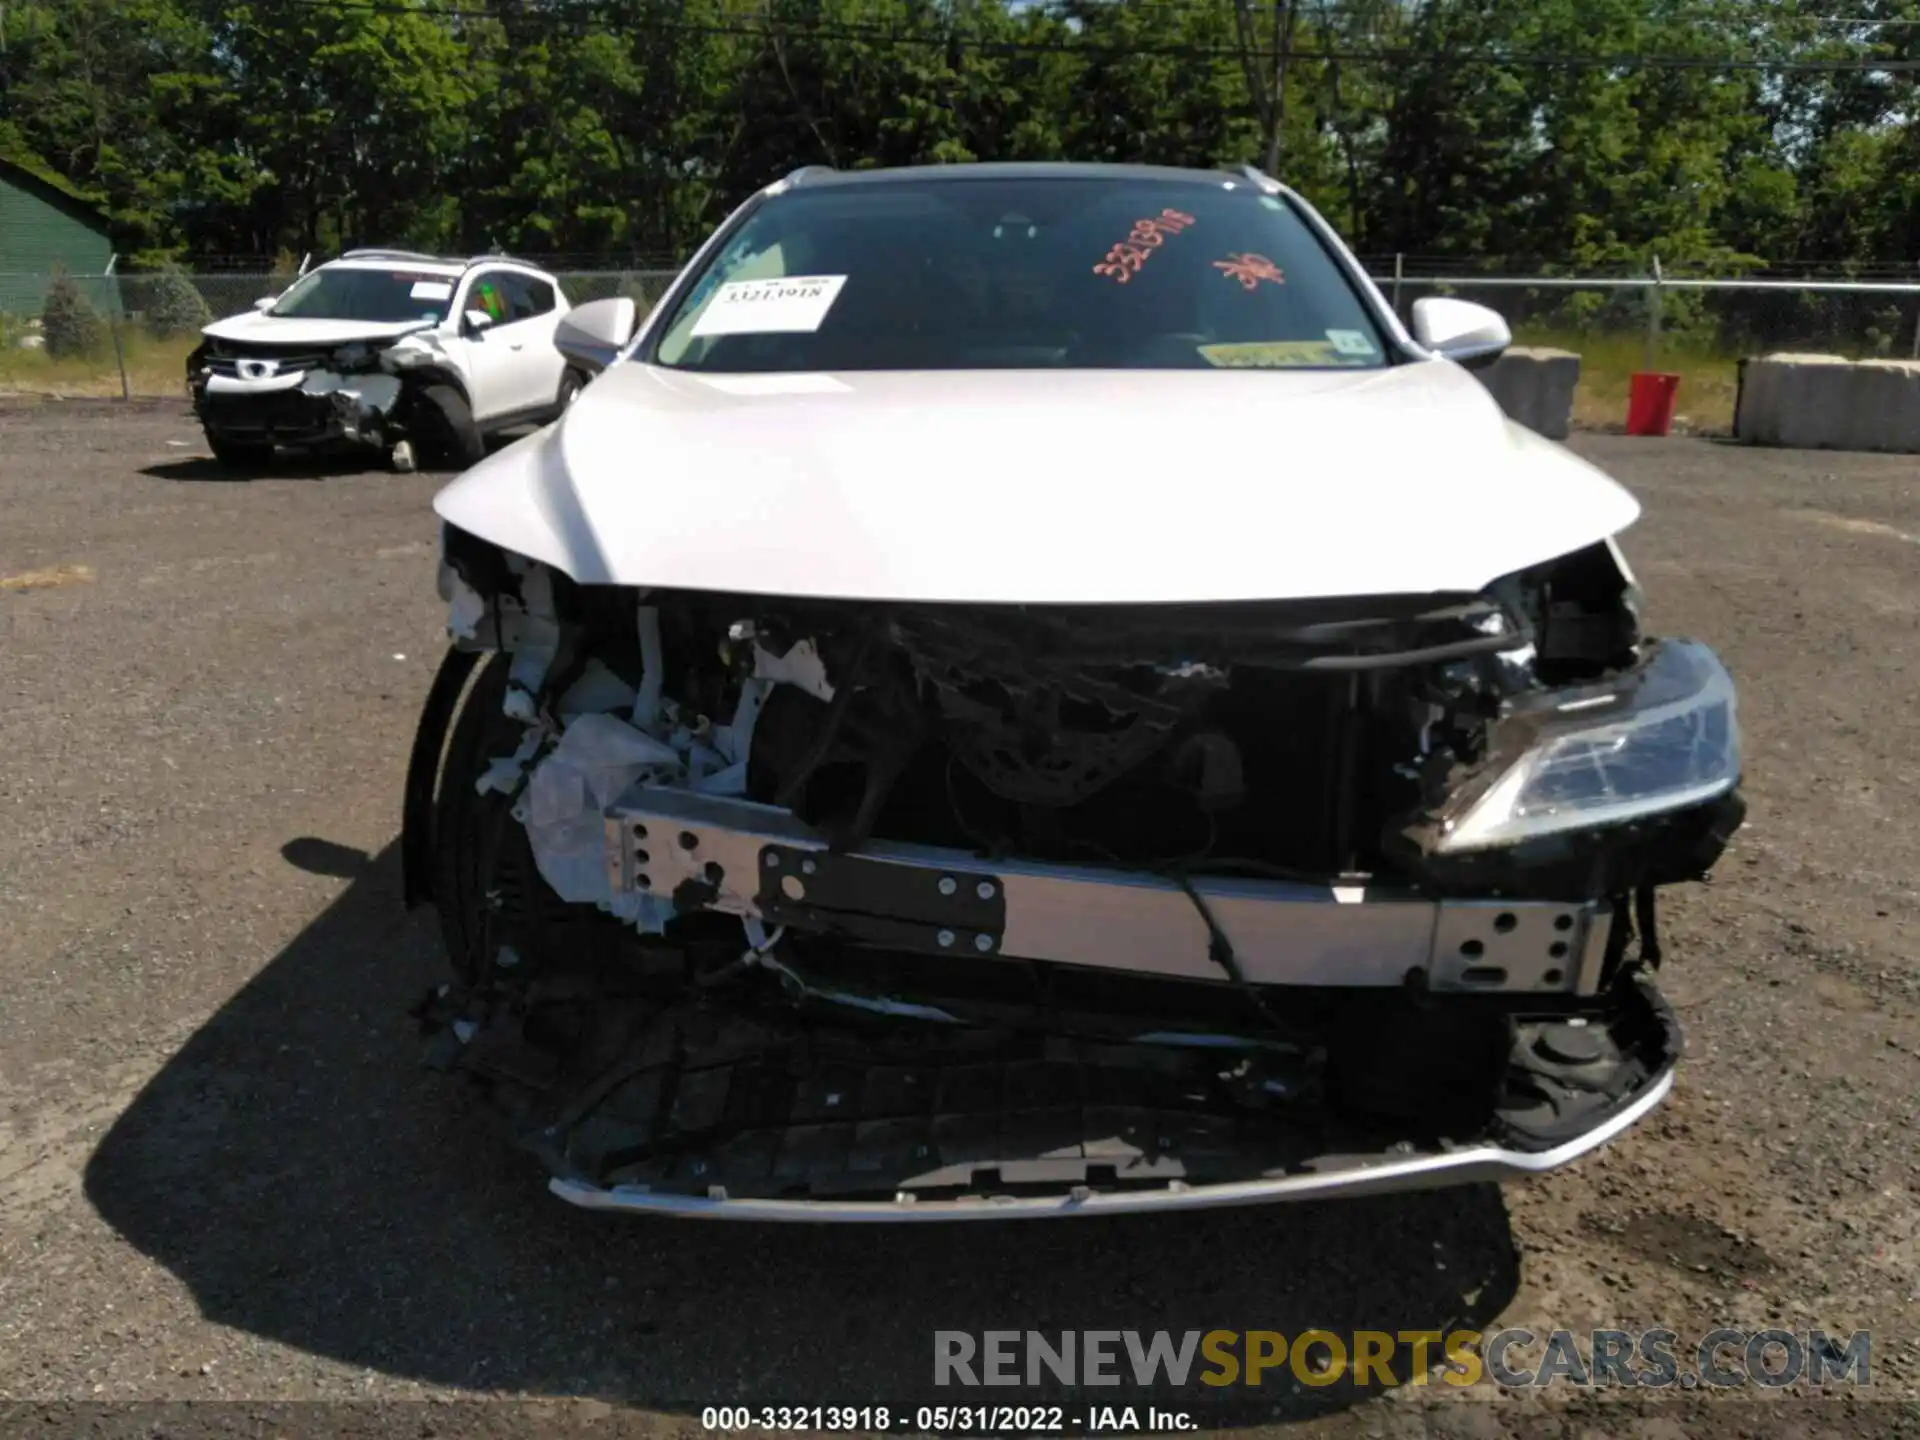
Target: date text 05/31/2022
(949, 1419)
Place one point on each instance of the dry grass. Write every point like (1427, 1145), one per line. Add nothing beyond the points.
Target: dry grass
(49, 579)
(1708, 379)
(154, 367)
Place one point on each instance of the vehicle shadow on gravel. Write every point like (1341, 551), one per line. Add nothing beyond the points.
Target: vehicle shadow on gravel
(310, 1183)
(302, 465)
(288, 467)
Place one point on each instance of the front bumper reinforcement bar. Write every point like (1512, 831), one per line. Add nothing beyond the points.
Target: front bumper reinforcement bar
(761, 862)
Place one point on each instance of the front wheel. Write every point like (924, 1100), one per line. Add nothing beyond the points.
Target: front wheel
(467, 825)
(444, 424)
(239, 454)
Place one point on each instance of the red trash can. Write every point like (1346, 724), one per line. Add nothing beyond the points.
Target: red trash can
(1650, 398)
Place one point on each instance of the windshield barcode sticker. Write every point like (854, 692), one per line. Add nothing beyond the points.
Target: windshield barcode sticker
(796, 305)
(431, 290)
(1350, 342)
(1273, 355)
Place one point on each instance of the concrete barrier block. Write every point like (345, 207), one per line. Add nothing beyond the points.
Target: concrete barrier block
(1535, 387)
(1827, 402)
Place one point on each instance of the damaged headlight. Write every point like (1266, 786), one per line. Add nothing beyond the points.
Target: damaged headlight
(1670, 741)
(349, 357)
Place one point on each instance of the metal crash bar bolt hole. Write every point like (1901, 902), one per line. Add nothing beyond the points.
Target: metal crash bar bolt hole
(791, 886)
(641, 879)
(1505, 923)
(713, 872)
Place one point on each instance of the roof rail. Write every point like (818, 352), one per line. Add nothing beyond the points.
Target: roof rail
(384, 252)
(1253, 173)
(497, 258)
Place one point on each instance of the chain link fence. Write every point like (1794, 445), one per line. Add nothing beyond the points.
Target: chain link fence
(130, 334)
(1696, 326)
(1858, 319)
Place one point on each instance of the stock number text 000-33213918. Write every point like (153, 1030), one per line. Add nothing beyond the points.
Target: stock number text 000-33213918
(925, 1419)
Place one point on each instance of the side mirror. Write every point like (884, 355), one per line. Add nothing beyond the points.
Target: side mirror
(1461, 331)
(474, 321)
(593, 335)
(265, 302)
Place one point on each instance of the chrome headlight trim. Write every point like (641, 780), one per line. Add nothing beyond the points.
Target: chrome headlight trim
(1668, 738)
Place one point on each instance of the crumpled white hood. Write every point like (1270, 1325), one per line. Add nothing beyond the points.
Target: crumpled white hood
(257, 326)
(1040, 486)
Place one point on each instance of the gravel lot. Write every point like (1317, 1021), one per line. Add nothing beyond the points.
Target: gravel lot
(224, 1176)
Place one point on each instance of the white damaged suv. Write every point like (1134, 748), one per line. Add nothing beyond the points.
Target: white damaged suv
(420, 356)
(1027, 690)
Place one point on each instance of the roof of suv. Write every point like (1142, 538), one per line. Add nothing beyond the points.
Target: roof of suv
(813, 176)
(417, 260)
(448, 268)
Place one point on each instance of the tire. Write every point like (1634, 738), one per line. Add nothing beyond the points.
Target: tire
(571, 384)
(463, 818)
(239, 454)
(446, 432)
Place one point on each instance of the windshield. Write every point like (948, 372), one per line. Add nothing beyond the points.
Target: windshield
(376, 295)
(1090, 273)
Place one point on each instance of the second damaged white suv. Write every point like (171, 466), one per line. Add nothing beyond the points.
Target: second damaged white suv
(1026, 690)
(416, 355)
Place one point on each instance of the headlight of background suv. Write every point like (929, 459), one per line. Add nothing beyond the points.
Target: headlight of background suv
(1669, 741)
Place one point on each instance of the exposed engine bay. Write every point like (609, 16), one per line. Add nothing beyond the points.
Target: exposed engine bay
(803, 907)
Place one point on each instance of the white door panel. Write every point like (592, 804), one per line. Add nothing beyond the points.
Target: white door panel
(493, 375)
(545, 362)
(535, 381)
(490, 374)
(535, 363)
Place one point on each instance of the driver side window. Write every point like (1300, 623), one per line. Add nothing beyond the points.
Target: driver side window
(487, 294)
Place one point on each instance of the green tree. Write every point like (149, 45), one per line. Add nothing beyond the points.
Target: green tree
(71, 327)
(173, 305)
(122, 98)
(1575, 133)
(351, 118)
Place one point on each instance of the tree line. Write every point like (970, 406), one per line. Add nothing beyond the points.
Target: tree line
(1570, 133)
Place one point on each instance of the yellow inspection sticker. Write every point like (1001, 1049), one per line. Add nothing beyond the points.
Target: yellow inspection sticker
(1275, 355)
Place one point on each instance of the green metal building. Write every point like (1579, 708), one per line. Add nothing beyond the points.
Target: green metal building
(44, 222)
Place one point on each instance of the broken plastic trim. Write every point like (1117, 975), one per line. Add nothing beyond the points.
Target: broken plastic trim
(1363, 1176)
(349, 392)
